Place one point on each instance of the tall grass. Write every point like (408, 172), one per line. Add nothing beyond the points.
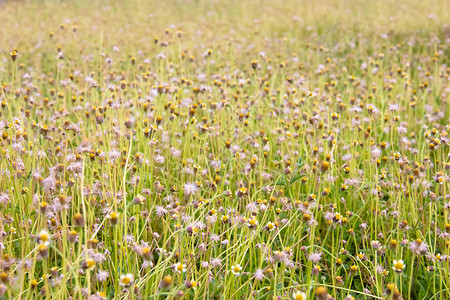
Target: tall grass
(224, 150)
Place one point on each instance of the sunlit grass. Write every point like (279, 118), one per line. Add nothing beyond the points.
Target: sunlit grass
(225, 150)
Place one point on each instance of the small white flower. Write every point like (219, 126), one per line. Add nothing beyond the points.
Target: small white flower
(298, 295)
(44, 237)
(236, 270)
(252, 222)
(271, 226)
(179, 267)
(399, 265)
(126, 280)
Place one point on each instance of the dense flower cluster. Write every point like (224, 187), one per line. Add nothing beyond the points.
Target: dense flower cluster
(274, 158)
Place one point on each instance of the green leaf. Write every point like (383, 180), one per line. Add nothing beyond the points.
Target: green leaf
(437, 100)
(295, 179)
(300, 162)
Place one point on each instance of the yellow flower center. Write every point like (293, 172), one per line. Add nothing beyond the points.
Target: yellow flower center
(168, 279)
(126, 280)
(299, 297)
(236, 269)
(398, 266)
(90, 263)
(180, 267)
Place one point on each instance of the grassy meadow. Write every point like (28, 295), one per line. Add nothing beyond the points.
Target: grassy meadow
(234, 149)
